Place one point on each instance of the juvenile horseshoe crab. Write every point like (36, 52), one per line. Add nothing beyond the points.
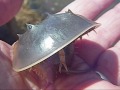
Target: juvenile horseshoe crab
(42, 40)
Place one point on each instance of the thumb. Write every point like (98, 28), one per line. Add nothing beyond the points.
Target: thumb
(8, 78)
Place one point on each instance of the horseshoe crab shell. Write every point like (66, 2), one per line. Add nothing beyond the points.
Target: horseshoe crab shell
(42, 40)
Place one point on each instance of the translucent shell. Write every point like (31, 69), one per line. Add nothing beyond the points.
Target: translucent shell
(45, 39)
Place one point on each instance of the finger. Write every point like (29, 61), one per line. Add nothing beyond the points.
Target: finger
(88, 8)
(109, 64)
(8, 9)
(5, 48)
(8, 78)
(109, 31)
(107, 34)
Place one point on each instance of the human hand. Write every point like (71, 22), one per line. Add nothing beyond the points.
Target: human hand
(99, 49)
(96, 49)
(8, 9)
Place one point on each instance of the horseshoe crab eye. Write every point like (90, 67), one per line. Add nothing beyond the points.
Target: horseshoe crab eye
(29, 26)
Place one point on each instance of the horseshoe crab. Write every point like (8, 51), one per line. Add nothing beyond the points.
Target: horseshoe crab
(42, 40)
